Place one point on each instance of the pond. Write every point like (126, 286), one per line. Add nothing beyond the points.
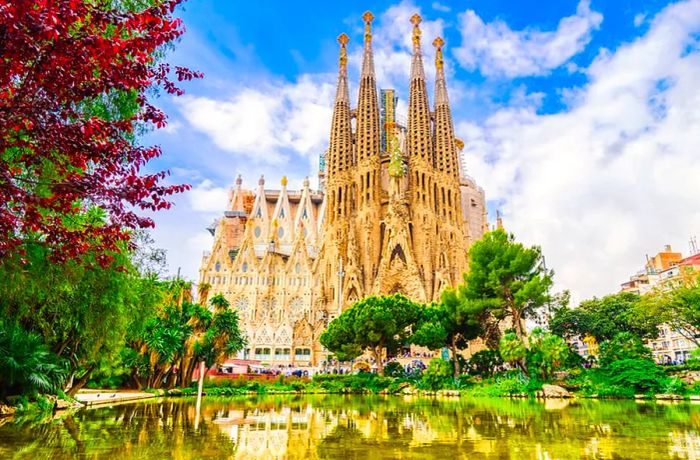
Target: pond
(356, 427)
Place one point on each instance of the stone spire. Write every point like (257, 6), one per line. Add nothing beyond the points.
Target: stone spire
(340, 155)
(445, 151)
(418, 138)
(367, 56)
(368, 130)
(340, 148)
(366, 189)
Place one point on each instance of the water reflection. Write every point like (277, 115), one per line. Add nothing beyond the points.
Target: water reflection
(363, 427)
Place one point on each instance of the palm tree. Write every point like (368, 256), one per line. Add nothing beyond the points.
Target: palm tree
(26, 363)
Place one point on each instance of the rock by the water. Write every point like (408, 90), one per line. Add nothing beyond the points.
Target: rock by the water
(554, 391)
(669, 397)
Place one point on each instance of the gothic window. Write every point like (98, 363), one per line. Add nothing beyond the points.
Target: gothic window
(280, 232)
(242, 305)
(217, 266)
(297, 268)
(296, 307)
(257, 232)
(304, 214)
(244, 267)
(258, 213)
(281, 212)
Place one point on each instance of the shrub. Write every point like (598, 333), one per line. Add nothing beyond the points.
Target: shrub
(485, 362)
(394, 369)
(27, 363)
(512, 349)
(624, 345)
(547, 353)
(640, 374)
(437, 375)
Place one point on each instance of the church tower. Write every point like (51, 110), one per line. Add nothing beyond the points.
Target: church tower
(420, 152)
(451, 260)
(368, 173)
(340, 186)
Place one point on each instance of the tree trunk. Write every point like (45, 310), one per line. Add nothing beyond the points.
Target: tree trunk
(377, 352)
(78, 384)
(453, 347)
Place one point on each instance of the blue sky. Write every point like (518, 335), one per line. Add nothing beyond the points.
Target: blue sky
(581, 118)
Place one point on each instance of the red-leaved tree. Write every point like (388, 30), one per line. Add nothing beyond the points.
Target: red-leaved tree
(74, 80)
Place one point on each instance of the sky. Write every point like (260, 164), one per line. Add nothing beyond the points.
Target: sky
(581, 118)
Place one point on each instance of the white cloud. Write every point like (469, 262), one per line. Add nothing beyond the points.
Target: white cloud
(437, 6)
(263, 123)
(639, 19)
(616, 175)
(495, 49)
(205, 197)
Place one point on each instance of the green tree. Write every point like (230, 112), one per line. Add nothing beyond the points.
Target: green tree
(27, 363)
(625, 345)
(679, 308)
(374, 324)
(181, 335)
(81, 309)
(509, 277)
(606, 317)
(547, 353)
(513, 350)
(452, 323)
(485, 362)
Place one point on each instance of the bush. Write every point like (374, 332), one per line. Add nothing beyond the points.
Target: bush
(394, 369)
(485, 362)
(28, 366)
(624, 345)
(641, 375)
(507, 383)
(438, 374)
(547, 353)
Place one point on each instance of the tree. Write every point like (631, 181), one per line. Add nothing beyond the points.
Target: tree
(74, 83)
(509, 277)
(81, 309)
(373, 324)
(625, 345)
(452, 323)
(485, 362)
(679, 308)
(179, 336)
(606, 317)
(547, 353)
(27, 363)
(513, 350)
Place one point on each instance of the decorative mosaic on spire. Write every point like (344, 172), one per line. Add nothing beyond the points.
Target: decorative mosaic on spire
(417, 61)
(367, 58)
(440, 85)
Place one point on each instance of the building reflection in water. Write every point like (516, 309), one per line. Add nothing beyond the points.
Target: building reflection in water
(332, 427)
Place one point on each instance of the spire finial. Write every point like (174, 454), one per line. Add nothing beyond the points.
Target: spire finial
(239, 181)
(367, 59)
(368, 17)
(261, 181)
(306, 182)
(415, 20)
(284, 181)
(437, 43)
(343, 39)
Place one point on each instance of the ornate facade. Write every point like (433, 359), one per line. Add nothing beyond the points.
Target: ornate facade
(395, 213)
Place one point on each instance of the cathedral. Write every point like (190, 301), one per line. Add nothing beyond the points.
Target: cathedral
(394, 213)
